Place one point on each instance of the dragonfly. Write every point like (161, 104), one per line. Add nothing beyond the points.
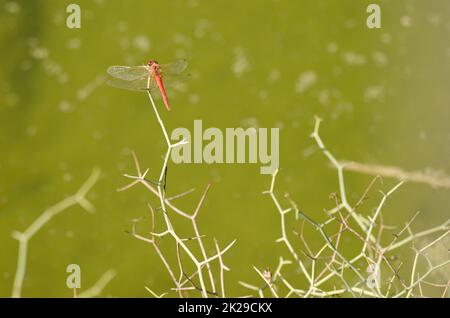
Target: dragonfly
(146, 77)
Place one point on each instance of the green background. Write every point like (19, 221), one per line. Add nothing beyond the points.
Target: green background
(383, 95)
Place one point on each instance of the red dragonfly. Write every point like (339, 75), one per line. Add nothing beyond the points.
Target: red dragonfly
(146, 77)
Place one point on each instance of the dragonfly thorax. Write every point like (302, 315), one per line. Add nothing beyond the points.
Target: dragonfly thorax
(154, 67)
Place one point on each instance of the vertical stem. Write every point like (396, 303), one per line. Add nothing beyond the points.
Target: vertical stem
(161, 196)
(166, 136)
(21, 268)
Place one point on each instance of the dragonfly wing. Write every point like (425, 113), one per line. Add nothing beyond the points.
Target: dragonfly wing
(128, 73)
(174, 68)
(134, 85)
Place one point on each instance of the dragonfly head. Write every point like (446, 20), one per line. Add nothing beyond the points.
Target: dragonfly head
(152, 62)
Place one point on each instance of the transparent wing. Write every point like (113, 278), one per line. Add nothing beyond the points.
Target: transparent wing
(128, 73)
(135, 85)
(173, 69)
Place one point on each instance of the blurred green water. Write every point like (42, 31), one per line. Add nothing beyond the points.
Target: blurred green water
(383, 95)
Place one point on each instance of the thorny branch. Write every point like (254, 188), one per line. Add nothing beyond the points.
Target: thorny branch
(158, 189)
(335, 262)
(24, 237)
(329, 271)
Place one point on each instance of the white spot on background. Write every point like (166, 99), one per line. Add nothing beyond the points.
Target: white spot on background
(279, 124)
(58, 18)
(142, 43)
(122, 26)
(183, 40)
(350, 24)
(353, 58)
(274, 76)
(263, 95)
(202, 27)
(179, 86)
(308, 151)
(120, 166)
(324, 97)
(194, 99)
(406, 21)
(51, 67)
(423, 135)
(126, 151)
(90, 87)
(329, 96)
(67, 177)
(74, 44)
(62, 165)
(31, 131)
(434, 19)
(305, 81)
(12, 7)
(65, 106)
(241, 64)
(340, 108)
(250, 122)
(386, 38)
(193, 3)
(374, 93)
(380, 58)
(97, 135)
(332, 47)
(336, 71)
(39, 53)
(54, 69)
